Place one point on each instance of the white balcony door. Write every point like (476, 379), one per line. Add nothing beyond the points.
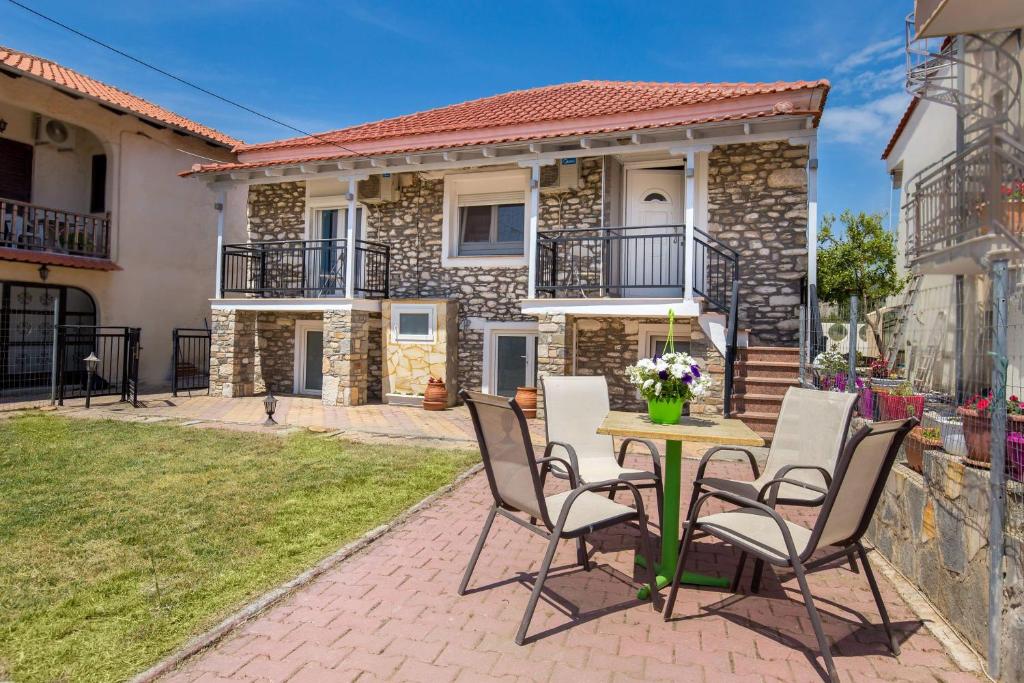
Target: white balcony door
(654, 197)
(510, 361)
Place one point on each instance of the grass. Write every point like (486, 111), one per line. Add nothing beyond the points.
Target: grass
(119, 541)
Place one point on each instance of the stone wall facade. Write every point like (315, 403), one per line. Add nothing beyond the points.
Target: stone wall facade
(232, 353)
(757, 204)
(275, 342)
(934, 528)
(346, 357)
(277, 211)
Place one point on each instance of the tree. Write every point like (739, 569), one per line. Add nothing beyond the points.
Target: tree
(861, 262)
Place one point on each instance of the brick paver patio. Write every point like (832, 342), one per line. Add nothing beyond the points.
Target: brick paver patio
(391, 612)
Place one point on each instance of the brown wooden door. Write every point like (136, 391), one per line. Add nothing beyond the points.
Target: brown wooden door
(15, 170)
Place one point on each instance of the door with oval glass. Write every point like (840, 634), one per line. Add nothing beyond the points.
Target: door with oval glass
(651, 260)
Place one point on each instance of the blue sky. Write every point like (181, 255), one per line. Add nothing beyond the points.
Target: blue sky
(324, 65)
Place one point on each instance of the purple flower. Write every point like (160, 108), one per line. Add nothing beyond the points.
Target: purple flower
(695, 369)
(663, 374)
(687, 379)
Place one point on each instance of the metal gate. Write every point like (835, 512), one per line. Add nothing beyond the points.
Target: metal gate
(191, 359)
(117, 372)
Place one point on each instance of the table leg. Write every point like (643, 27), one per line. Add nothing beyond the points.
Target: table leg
(671, 475)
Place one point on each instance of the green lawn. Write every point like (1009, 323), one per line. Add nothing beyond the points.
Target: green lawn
(119, 541)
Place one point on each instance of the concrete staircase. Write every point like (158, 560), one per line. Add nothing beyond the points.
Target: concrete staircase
(762, 376)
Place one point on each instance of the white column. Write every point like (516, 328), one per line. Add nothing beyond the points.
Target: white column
(531, 232)
(350, 240)
(812, 212)
(690, 198)
(219, 276)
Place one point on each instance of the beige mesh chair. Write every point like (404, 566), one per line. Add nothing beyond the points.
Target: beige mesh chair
(848, 503)
(574, 408)
(515, 476)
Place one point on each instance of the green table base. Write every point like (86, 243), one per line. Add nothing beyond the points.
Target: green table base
(671, 476)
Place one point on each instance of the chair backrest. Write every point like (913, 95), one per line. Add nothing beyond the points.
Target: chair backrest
(859, 478)
(574, 408)
(811, 429)
(507, 453)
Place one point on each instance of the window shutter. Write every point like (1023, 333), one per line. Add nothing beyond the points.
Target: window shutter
(490, 198)
(15, 171)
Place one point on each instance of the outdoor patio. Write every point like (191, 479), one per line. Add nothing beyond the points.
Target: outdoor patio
(391, 613)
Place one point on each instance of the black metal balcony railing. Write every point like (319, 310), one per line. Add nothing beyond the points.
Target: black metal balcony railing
(976, 193)
(38, 228)
(633, 261)
(304, 268)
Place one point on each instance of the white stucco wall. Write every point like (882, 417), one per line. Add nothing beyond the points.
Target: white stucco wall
(163, 226)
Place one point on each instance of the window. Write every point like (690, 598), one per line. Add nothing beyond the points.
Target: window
(655, 197)
(411, 322)
(98, 184)
(656, 345)
(491, 228)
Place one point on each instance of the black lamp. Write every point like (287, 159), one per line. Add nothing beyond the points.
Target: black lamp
(270, 405)
(91, 363)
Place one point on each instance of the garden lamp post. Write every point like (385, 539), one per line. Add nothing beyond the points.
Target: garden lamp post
(270, 405)
(91, 362)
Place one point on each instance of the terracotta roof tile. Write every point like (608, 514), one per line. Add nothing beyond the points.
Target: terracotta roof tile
(69, 79)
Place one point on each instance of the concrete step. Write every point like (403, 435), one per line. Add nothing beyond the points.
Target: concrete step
(769, 353)
(761, 423)
(763, 368)
(776, 386)
(757, 403)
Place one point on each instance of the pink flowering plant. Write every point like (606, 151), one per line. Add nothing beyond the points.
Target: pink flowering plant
(1013, 191)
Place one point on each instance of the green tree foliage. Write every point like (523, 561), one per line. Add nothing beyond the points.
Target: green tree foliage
(862, 261)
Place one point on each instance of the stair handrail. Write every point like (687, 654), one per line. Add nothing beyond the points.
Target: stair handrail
(732, 332)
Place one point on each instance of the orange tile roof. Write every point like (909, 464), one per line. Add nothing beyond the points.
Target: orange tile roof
(67, 79)
(551, 103)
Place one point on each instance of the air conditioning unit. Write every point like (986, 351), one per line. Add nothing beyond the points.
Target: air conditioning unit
(561, 176)
(53, 132)
(377, 189)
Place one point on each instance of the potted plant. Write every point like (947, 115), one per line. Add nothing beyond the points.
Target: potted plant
(831, 368)
(901, 402)
(952, 429)
(668, 383)
(1013, 201)
(880, 369)
(436, 395)
(919, 440)
(526, 397)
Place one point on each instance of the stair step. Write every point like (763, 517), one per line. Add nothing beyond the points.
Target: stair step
(769, 353)
(757, 403)
(776, 386)
(765, 368)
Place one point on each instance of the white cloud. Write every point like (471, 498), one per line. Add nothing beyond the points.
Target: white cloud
(868, 123)
(881, 50)
(873, 81)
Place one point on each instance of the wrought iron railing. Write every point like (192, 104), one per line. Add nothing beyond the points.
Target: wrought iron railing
(39, 228)
(304, 268)
(632, 261)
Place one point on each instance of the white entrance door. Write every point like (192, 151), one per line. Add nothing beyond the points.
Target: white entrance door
(652, 262)
(513, 362)
(309, 357)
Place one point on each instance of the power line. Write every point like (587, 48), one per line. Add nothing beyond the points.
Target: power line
(181, 80)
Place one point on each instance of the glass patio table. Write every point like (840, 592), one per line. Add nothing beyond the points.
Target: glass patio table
(713, 430)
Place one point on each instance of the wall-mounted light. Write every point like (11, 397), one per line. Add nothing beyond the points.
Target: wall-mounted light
(44, 272)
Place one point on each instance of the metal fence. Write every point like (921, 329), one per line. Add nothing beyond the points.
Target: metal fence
(117, 368)
(191, 370)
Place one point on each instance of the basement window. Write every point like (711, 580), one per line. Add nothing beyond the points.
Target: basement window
(412, 323)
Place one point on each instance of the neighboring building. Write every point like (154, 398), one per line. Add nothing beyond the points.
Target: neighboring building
(557, 226)
(92, 213)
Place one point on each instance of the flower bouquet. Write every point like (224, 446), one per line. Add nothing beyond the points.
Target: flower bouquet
(668, 383)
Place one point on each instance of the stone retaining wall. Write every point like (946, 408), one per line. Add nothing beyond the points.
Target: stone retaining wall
(934, 529)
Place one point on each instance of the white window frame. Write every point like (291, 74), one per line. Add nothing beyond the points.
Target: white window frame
(396, 312)
(494, 329)
(299, 376)
(647, 331)
(315, 204)
(484, 182)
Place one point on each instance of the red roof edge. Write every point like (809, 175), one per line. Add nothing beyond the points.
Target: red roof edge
(904, 120)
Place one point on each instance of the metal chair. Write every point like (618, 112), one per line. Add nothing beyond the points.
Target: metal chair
(847, 506)
(515, 476)
(573, 409)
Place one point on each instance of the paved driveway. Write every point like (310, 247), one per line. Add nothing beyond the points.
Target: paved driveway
(391, 612)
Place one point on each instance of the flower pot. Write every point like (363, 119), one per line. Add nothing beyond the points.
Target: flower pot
(436, 395)
(952, 436)
(1015, 456)
(526, 397)
(899, 407)
(978, 435)
(866, 406)
(665, 411)
(915, 446)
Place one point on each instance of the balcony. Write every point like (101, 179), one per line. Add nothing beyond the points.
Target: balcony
(42, 230)
(633, 262)
(304, 269)
(968, 205)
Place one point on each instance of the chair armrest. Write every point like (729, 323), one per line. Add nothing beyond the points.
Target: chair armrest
(719, 449)
(570, 452)
(786, 469)
(571, 469)
(774, 486)
(595, 486)
(746, 504)
(655, 455)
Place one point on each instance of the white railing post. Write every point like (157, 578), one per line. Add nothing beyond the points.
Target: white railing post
(531, 232)
(350, 240)
(812, 213)
(690, 201)
(218, 287)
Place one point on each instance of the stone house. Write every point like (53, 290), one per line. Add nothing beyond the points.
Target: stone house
(537, 232)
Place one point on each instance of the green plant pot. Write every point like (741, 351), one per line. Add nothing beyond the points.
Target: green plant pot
(665, 412)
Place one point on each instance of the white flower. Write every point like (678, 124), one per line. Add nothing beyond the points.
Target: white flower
(647, 384)
(661, 365)
(677, 371)
(645, 364)
(657, 389)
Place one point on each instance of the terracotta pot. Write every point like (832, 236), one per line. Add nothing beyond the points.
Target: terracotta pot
(436, 396)
(915, 446)
(526, 397)
(895, 407)
(977, 434)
